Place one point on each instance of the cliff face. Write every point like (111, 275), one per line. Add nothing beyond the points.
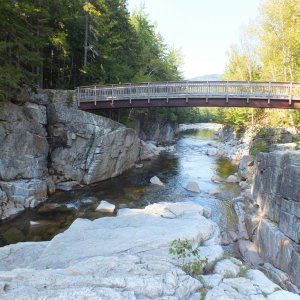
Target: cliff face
(44, 144)
(155, 129)
(273, 216)
(88, 148)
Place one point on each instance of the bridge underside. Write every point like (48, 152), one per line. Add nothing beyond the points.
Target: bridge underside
(192, 102)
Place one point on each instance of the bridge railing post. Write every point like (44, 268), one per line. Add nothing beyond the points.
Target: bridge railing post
(291, 93)
(112, 94)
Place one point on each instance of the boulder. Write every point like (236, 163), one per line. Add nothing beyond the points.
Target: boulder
(216, 178)
(155, 180)
(20, 194)
(228, 267)
(232, 179)
(246, 167)
(66, 186)
(193, 187)
(88, 148)
(106, 207)
(149, 150)
(212, 151)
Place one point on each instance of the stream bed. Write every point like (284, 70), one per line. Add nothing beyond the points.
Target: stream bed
(133, 189)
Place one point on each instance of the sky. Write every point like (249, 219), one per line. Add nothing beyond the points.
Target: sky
(202, 29)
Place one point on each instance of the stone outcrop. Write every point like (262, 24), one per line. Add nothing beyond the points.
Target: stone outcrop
(23, 157)
(88, 148)
(23, 141)
(273, 213)
(43, 144)
(155, 129)
(108, 258)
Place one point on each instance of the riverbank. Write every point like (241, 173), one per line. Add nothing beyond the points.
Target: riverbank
(110, 259)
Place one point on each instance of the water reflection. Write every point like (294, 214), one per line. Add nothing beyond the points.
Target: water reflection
(132, 189)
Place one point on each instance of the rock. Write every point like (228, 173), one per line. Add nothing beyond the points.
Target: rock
(279, 295)
(101, 149)
(149, 150)
(259, 279)
(276, 195)
(138, 166)
(155, 129)
(228, 267)
(207, 212)
(155, 180)
(213, 192)
(216, 178)
(212, 152)
(23, 143)
(246, 169)
(284, 147)
(239, 210)
(25, 193)
(226, 238)
(243, 185)
(89, 200)
(106, 207)
(67, 186)
(193, 187)
(36, 112)
(232, 179)
(250, 253)
(211, 280)
(20, 255)
(50, 186)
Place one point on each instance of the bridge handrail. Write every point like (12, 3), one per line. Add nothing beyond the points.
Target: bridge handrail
(174, 89)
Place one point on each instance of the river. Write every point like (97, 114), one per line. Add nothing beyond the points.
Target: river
(133, 189)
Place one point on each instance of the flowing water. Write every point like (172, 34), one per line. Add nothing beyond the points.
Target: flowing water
(132, 189)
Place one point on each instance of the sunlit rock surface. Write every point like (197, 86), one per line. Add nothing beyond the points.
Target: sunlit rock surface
(88, 148)
(126, 257)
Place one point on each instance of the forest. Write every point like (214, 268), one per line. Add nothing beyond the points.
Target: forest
(61, 44)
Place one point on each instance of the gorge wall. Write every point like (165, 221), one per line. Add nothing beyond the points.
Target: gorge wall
(273, 218)
(155, 129)
(44, 145)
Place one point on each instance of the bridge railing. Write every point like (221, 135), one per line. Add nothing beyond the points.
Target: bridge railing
(169, 90)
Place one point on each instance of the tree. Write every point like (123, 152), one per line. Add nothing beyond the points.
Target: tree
(279, 34)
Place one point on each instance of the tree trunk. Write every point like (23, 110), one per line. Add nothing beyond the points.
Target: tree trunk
(86, 38)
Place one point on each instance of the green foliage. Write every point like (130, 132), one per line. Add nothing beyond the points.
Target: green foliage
(188, 257)
(67, 43)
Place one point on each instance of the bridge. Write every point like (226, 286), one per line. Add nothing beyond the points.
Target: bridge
(190, 94)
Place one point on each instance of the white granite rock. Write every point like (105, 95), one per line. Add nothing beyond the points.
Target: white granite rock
(106, 207)
(193, 187)
(232, 179)
(155, 180)
(227, 268)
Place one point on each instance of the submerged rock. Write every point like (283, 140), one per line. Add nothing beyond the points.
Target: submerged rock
(155, 180)
(106, 207)
(67, 186)
(193, 187)
(216, 178)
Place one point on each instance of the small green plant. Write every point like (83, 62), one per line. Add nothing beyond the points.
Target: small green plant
(242, 272)
(20, 175)
(188, 257)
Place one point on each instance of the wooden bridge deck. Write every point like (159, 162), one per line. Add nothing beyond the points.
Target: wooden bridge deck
(190, 94)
